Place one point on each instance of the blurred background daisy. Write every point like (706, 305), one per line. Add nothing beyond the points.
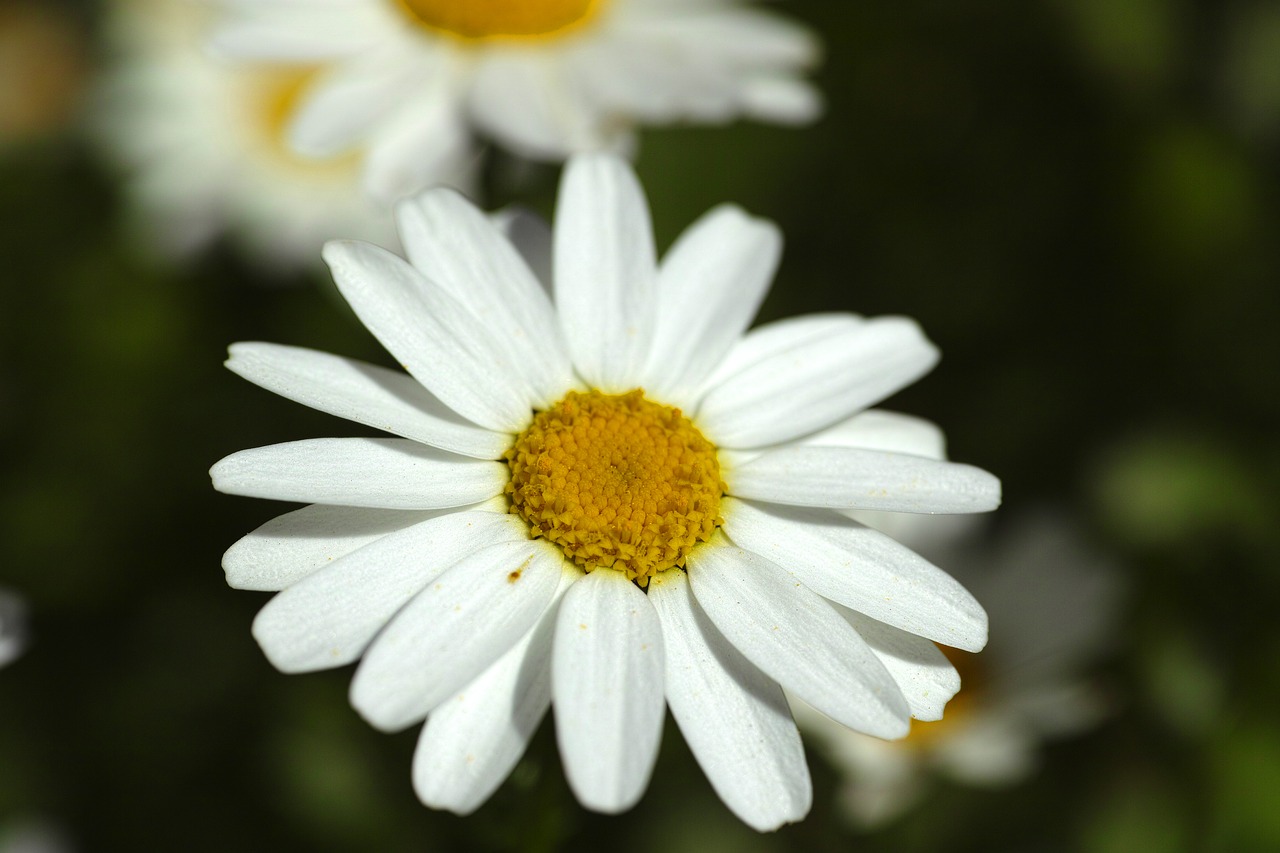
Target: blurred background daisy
(1054, 606)
(200, 145)
(409, 83)
(1077, 199)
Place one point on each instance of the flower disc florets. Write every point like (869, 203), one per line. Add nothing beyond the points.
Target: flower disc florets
(482, 19)
(617, 482)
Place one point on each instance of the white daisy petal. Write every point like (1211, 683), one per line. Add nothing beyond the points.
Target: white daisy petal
(390, 473)
(710, 286)
(781, 100)
(927, 678)
(339, 108)
(606, 676)
(531, 235)
(432, 334)
(310, 34)
(471, 742)
(291, 546)
(816, 383)
(328, 618)
(734, 34)
(427, 145)
(364, 393)
(453, 630)
(796, 638)
(861, 568)
(455, 246)
(877, 429)
(734, 718)
(638, 80)
(774, 340)
(531, 106)
(605, 271)
(846, 478)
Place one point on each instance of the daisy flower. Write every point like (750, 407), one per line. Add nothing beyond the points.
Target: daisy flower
(605, 496)
(409, 80)
(1053, 604)
(202, 145)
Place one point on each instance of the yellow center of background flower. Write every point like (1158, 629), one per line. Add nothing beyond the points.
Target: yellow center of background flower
(617, 482)
(270, 97)
(484, 19)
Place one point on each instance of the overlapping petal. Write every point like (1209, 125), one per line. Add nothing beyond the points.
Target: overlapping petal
(710, 285)
(815, 382)
(861, 568)
(926, 677)
(453, 630)
(433, 335)
(734, 718)
(364, 393)
(291, 546)
(472, 741)
(456, 247)
(796, 638)
(328, 618)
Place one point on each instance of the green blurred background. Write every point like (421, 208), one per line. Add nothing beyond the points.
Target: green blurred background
(1079, 200)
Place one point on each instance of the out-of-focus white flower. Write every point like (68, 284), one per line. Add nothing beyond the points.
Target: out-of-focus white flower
(411, 81)
(607, 496)
(13, 633)
(202, 143)
(1052, 603)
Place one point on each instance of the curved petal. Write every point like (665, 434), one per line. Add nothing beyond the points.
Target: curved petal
(425, 142)
(734, 718)
(432, 334)
(390, 473)
(526, 101)
(796, 638)
(363, 393)
(606, 676)
(780, 100)
(327, 619)
(844, 478)
(605, 271)
(315, 33)
(710, 285)
(531, 235)
(877, 429)
(473, 741)
(775, 339)
(926, 677)
(453, 630)
(861, 568)
(815, 383)
(291, 546)
(336, 112)
(456, 247)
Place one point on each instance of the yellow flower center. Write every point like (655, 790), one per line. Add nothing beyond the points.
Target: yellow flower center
(960, 710)
(617, 482)
(271, 97)
(280, 91)
(487, 19)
